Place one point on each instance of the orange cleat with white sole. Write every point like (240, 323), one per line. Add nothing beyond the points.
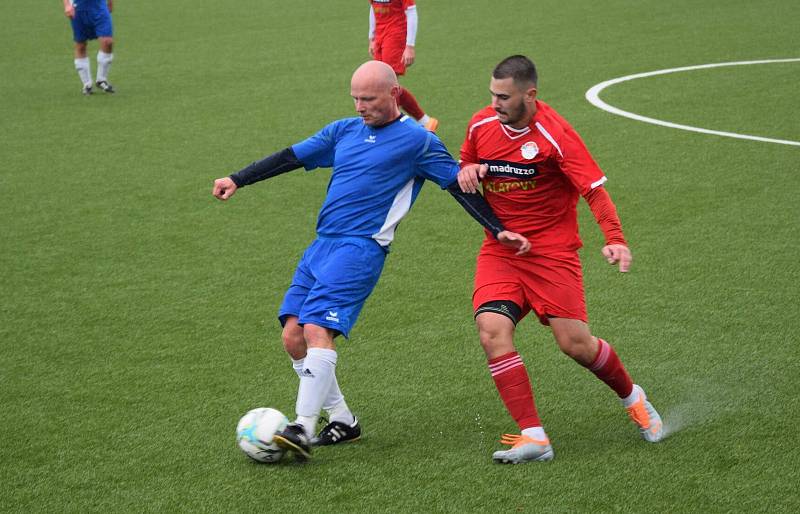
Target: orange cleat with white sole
(646, 417)
(523, 449)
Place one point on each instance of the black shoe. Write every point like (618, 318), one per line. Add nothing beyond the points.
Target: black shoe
(105, 86)
(294, 438)
(87, 90)
(337, 432)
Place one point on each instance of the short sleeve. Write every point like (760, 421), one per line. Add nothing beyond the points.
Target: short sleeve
(435, 163)
(318, 150)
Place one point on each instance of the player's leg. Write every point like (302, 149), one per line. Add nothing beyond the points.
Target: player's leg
(513, 384)
(83, 67)
(598, 356)
(343, 425)
(105, 34)
(316, 375)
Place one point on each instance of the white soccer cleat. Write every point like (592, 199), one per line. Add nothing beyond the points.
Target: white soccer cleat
(523, 449)
(646, 417)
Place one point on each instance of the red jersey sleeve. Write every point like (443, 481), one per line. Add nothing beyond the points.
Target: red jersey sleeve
(578, 164)
(407, 4)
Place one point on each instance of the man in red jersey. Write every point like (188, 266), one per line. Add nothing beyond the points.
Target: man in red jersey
(392, 35)
(533, 166)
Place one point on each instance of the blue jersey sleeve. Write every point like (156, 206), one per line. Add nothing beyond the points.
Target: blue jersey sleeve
(435, 162)
(318, 150)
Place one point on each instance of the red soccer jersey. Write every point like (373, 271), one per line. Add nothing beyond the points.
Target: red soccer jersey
(535, 176)
(390, 16)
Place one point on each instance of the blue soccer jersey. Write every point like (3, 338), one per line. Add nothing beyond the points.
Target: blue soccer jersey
(377, 174)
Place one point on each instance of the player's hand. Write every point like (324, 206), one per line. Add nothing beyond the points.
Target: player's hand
(373, 48)
(224, 188)
(469, 178)
(69, 11)
(110, 5)
(408, 56)
(618, 254)
(514, 240)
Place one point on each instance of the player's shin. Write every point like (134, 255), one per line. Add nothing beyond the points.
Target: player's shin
(315, 382)
(608, 367)
(511, 379)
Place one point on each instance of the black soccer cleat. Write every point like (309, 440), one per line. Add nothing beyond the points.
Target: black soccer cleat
(105, 86)
(337, 432)
(294, 439)
(87, 90)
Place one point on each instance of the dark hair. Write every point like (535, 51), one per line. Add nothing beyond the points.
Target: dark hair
(518, 67)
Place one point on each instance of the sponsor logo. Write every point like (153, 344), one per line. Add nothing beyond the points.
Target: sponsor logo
(307, 373)
(371, 139)
(507, 187)
(529, 150)
(511, 169)
(332, 316)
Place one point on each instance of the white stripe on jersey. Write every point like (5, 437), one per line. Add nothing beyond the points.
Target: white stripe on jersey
(549, 138)
(399, 208)
(479, 123)
(599, 182)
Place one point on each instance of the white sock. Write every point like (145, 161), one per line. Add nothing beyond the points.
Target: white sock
(103, 65)
(84, 68)
(334, 403)
(425, 119)
(536, 433)
(319, 368)
(633, 397)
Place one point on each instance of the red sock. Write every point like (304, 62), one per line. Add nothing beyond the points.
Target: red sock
(408, 103)
(511, 378)
(608, 368)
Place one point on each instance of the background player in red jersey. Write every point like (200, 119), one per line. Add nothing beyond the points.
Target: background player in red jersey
(533, 166)
(392, 35)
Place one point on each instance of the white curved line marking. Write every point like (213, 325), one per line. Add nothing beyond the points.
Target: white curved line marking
(592, 95)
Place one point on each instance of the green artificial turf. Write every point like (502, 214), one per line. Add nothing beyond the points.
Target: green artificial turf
(138, 315)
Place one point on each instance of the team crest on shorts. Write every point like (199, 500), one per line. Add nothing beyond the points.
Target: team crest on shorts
(529, 150)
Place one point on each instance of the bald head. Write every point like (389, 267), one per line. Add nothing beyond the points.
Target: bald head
(374, 89)
(375, 73)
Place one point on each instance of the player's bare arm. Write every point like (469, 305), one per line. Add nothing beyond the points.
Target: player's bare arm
(69, 9)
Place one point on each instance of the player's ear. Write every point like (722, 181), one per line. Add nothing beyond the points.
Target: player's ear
(530, 94)
(396, 91)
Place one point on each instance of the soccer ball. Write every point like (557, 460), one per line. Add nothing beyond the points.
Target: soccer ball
(254, 434)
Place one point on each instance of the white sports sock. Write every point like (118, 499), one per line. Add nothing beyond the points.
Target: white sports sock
(103, 65)
(633, 397)
(536, 433)
(334, 403)
(84, 68)
(315, 381)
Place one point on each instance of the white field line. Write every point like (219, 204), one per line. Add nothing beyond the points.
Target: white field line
(592, 95)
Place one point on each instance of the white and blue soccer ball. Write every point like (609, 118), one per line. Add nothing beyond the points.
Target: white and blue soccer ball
(255, 431)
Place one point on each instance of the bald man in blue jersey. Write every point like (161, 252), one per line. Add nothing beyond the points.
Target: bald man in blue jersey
(380, 161)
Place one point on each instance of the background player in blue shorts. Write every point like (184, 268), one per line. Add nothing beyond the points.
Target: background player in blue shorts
(380, 161)
(91, 19)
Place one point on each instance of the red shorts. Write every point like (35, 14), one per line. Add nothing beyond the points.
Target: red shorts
(550, 285)
(389, 49)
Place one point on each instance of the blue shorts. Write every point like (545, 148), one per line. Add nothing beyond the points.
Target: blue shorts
(91, 24)
(332, 281)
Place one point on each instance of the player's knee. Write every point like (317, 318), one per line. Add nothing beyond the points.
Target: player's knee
(578, 346)
(293, 341)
